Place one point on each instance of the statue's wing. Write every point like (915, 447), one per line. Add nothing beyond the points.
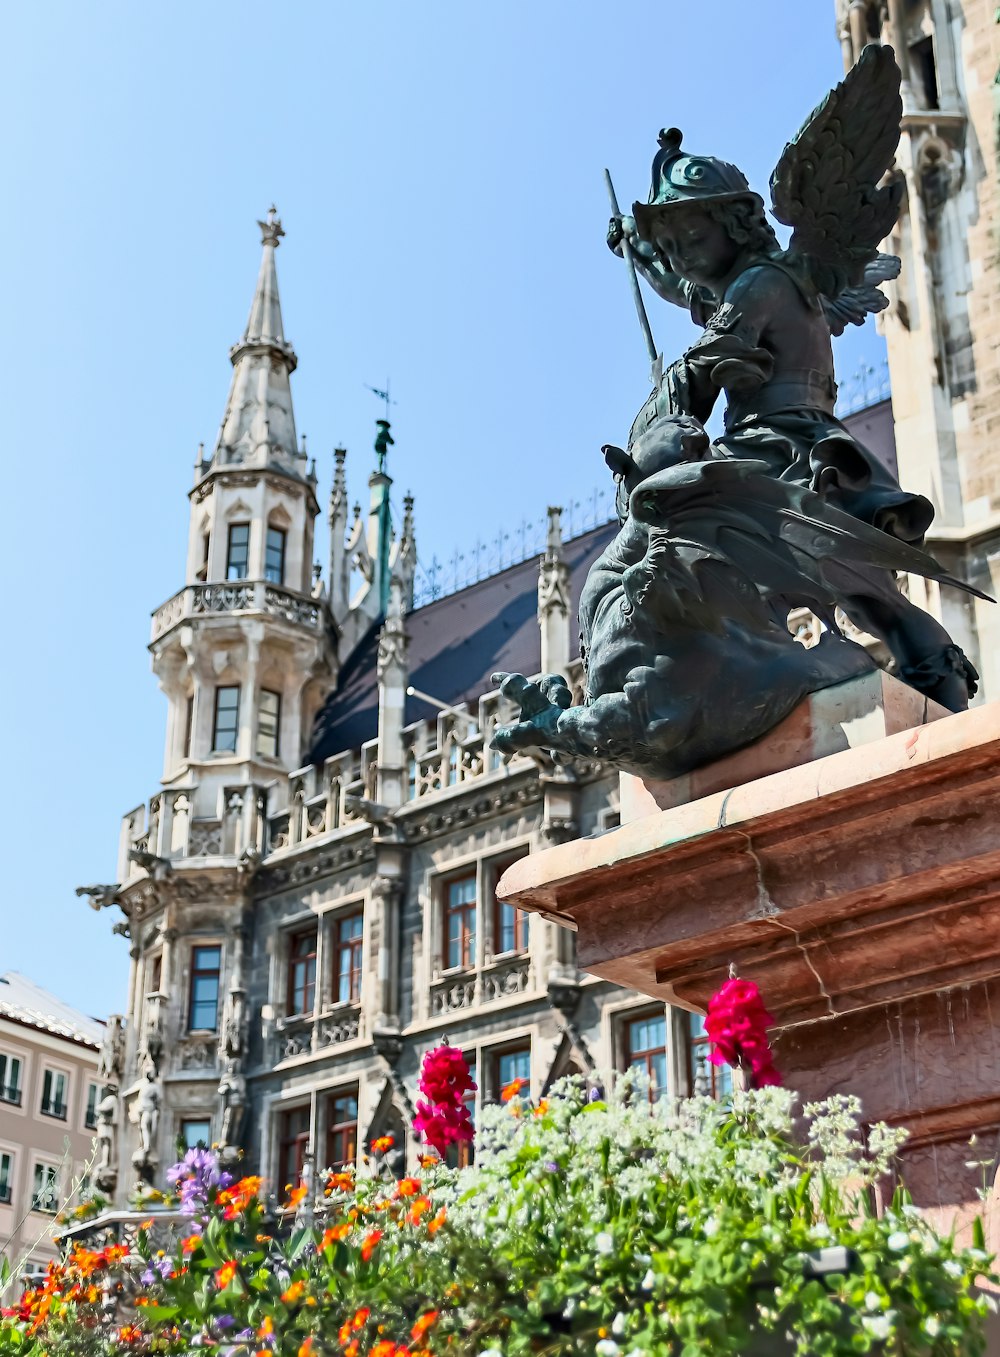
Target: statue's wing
(854, 305)
(730, 537)
(826, 185)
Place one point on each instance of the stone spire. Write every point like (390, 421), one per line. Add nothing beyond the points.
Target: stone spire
(340, 571)
(554, 600)
(258, 428)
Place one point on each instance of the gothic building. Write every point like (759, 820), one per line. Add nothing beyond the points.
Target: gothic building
(310, 893)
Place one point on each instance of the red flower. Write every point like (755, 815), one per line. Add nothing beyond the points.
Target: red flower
(443, 1117)
(736, 1025)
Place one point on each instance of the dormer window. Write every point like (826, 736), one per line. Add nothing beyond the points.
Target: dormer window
(238, 554)
(274, 556)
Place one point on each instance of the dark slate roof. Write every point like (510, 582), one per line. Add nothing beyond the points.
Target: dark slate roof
(874, 427)
(456, 643)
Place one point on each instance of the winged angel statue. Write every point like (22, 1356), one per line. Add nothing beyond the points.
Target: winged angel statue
(684, 617)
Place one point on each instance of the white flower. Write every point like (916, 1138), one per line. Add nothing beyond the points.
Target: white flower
(873, 1301)
(953, 1267)
(618, 1325)
(711, 1227)
(649, 1281)
(880, 1327)
(932, 1326)
(607, 1347)
(604, 1243)
(898, 1241)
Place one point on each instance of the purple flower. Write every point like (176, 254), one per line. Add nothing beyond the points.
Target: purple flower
(195, 1176)
(159, 1268)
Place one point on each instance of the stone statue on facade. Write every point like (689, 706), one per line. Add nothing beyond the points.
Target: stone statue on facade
(146, 1115)
(684, 617)
(111, 1064)
(105, 1168)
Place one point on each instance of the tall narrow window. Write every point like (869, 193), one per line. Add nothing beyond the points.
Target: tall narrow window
(460, 922)
(226, 726)
(302, 972)
(45, 1189)
(715, 1081)
(238, 554)
(513, 1063)
(203, 1011)
(268, 723)
(202, 573)
(460, 1155)
(348, 935)
(10, 1079)
(274, 556)
(510, 928)
(188, 725)
(411, 777)
(54, 1087)
(90, 1116)
(341, 1130)
(646, 1049)
(293, 1141)
(196, 1132)
(6, 1177)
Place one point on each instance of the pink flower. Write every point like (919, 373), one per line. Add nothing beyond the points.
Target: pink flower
(443, 1117)
(736, 1025)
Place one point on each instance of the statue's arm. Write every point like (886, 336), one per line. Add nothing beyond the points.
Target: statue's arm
(648, 263)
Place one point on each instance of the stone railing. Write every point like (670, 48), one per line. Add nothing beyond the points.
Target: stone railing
(239, 596)
(501, 980)
(314, 1033)
(165, 829)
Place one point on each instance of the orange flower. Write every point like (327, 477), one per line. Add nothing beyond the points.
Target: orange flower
(147, 1224)
(225, 1274)
(408, 1187)
(425, 1322)
(420, 1206)
(512, 1089)
(370, 1243)
(295, 1195)
(306, 1347)
(342, 1182)
(542, 1107)
(129, 1333)
(190, 1243)
(267, 1328)
(383, 1143)
(361, 1318)
(293, 1292)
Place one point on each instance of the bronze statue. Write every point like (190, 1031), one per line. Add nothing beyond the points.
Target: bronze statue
(683, 618)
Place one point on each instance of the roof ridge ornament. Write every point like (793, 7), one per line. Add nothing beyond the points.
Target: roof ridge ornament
(271, 230)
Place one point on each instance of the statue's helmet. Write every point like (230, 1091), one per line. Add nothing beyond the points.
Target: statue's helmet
(681, 180)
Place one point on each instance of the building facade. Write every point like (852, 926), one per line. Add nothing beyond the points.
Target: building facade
(310, 894)
(49, 1098)
(942, 327)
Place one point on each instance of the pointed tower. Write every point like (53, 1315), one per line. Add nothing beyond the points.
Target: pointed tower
(245, 650)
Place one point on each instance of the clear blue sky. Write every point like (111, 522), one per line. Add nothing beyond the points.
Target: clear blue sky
(438, 169)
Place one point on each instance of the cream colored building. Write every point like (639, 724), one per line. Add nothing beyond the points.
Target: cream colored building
(942, 327)
(49, 1095)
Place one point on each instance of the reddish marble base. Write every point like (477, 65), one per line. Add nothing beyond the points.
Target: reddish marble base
(860, 890)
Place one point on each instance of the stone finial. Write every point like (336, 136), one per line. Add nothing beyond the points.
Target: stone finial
(271, 230)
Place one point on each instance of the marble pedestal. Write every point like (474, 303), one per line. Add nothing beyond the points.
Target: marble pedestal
(861, 890)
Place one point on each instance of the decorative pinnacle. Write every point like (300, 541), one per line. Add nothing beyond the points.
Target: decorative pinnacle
(271, 230)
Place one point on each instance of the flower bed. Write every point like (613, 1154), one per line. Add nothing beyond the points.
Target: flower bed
(590, 1224)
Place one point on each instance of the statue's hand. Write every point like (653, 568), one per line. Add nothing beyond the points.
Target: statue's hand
(541, 705)
(623, 227)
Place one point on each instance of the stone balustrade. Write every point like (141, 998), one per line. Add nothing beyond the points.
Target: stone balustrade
(239, 596)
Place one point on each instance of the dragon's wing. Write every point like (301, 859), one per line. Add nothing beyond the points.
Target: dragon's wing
(826, 184)
(726, 527)
(854, 305)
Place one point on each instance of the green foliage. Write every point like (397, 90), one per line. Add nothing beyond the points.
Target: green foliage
(586, 1227)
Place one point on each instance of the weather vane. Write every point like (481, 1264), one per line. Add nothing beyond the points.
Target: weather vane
(382, 395)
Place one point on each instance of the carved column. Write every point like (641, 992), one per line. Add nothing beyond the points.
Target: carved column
(338, 577)
(554, 601)
(384, 904)
(392, 670)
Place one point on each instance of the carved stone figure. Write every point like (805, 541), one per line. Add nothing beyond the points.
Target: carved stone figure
(233, 1093)
(234, 1021)
(684, 617)
(112, 1058)
(105, 1171)
(147, 1114)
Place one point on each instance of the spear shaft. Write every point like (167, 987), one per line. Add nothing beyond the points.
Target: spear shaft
(633, 277)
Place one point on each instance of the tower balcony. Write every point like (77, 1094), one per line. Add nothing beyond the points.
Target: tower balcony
(248, 598)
